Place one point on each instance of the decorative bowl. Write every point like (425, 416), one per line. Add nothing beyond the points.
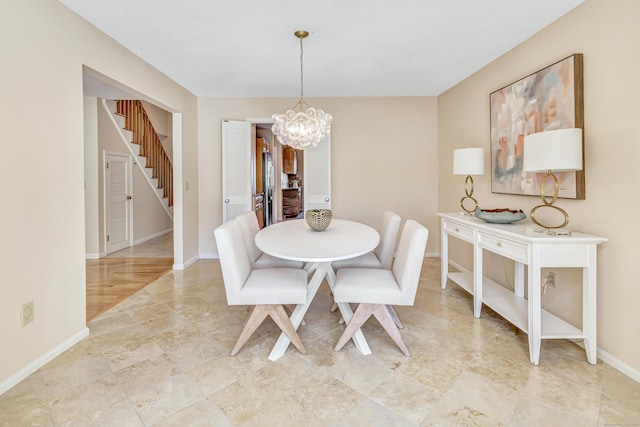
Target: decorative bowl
(318, 219)
(500, 216)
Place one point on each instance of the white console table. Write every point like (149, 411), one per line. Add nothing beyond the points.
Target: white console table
(520, 243)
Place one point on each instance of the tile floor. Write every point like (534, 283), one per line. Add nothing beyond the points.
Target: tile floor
(161, 358)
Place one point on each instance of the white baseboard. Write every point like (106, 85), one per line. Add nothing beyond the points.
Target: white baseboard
(458, 266)
(619, 365)
(209, 256)
(153, 236)
(432, 255)
(43, 360)
(137, 242)
(186, 264)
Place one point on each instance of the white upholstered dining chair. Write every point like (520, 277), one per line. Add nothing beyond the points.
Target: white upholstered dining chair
(266, 289)
(374, 289)
(382, 255)
(250, 227)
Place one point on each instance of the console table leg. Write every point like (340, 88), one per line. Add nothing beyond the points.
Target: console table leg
(477, 280)
(519, 279)
(589, 309)
(444, 256)
(535, 311)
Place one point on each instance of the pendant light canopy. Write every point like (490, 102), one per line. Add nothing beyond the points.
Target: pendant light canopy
(302, 126)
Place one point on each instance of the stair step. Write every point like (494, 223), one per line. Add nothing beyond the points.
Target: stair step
(119, 120)
(127, 134)
(136, 150)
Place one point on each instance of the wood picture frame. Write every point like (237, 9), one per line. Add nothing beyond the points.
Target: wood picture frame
(551, 98)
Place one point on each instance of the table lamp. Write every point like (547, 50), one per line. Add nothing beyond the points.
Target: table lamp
(549, 151)
(468, 161)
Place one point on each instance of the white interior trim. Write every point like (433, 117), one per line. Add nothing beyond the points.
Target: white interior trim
(152, 236)
(43, 360)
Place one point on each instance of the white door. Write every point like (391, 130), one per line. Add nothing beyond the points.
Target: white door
(117, 202)
(317, 176)
(237, 142)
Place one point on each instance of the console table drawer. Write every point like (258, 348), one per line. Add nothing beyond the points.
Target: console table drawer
(508, 248)
(459, 231)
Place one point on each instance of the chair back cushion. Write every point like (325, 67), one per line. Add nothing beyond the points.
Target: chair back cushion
(408, 262)
(234, 261)
(388, 237)
(250, 227)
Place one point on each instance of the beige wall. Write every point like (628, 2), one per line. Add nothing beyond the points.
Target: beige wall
(44, 49)
(607, 33)
(383, 153)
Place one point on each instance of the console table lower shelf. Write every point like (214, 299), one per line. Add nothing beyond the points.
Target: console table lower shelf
(515, 309)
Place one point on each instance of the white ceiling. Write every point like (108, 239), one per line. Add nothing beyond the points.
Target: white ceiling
(246, 48)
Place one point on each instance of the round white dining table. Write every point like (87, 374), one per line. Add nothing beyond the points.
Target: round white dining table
(295, 240)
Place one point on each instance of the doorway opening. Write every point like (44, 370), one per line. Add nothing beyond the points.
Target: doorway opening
(131, 254)
(277, 184)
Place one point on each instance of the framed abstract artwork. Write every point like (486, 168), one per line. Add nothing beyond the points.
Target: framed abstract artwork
(551, 98)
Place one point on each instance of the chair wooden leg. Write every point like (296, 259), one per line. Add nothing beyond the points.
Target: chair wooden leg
(360, 316)
(341, 321)
(279, 316)
(395, 317)
(289, 311)
(249, 311)
(257, 315)
(384, 316)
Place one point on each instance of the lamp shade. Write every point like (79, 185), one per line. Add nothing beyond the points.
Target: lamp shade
(468, 161)
(556, 150)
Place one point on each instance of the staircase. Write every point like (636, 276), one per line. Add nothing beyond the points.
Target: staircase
(143, 142)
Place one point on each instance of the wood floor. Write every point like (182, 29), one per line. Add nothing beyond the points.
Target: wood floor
(111, 280)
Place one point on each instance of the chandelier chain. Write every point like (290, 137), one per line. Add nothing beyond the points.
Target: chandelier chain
(301, 70)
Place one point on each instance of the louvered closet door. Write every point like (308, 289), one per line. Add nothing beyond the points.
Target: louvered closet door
(236, 168)
(317, 176)
(117, 203)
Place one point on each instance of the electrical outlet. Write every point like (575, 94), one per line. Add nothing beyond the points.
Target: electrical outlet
(551, 279)
(27, 313)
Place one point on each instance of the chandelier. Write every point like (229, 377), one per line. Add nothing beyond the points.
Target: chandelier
(302, 126)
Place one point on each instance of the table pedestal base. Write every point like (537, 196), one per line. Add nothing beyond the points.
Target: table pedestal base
(322, 270)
